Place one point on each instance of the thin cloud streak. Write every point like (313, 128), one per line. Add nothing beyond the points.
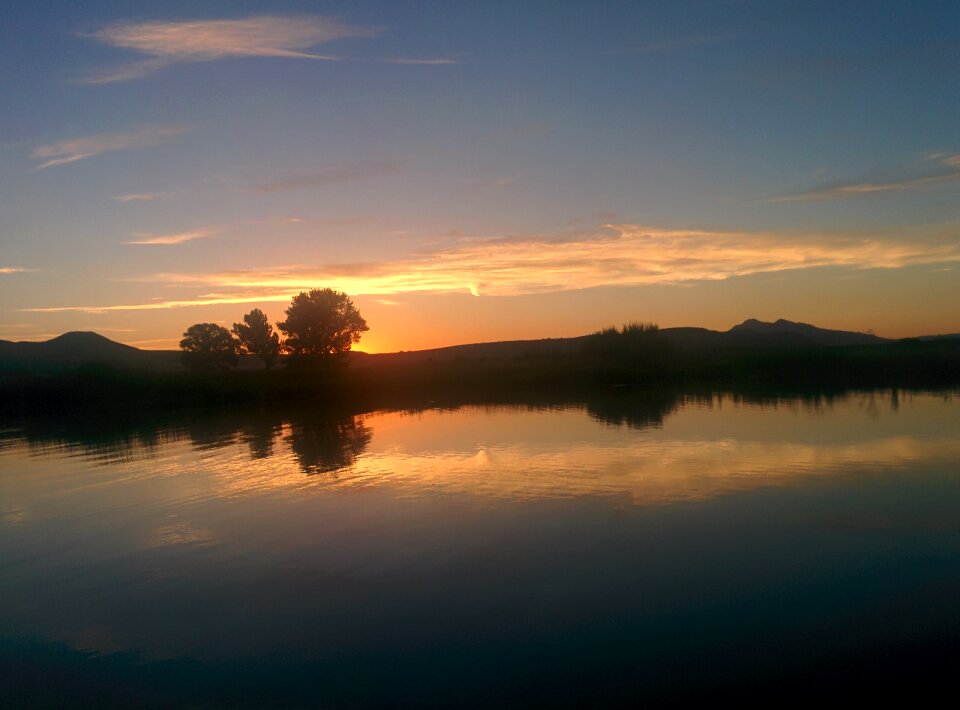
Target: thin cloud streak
(949, 171)
(328, 176)
(161, 305)
(140, 196)
(74, 149)
(15, 270)
(425, 62)
(680, 42)
(172, 239)
(621, 255)
(167, 43)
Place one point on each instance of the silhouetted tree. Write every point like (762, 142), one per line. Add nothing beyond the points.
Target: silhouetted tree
(256, 337)
(320, 325)
(636, 346)
(208, 346)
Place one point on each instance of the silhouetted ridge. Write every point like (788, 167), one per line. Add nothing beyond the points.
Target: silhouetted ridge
(82, 348)
(785, 332)
(84, 345)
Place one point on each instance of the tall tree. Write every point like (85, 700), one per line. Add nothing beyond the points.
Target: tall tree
(208, 346)
(256, 337)
(321, 325)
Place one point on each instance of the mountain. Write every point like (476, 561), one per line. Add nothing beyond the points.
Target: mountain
(753, 333)
(80, 348)
(786, 332)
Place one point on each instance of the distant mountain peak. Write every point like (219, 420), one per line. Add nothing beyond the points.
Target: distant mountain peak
(87, 340)
(82, 336)
(782, 328)
(781, 324)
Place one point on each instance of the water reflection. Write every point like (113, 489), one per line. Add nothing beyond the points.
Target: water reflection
(260, 433)
(321, 441)
(318, 557)
(635, 409)
(538, 451)
(325, 443)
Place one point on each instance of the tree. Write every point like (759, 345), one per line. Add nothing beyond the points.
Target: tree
(637, 346)
(208, 346)
(256, 337)
(321, 325)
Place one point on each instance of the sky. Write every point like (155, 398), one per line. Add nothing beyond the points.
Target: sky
(476, 171)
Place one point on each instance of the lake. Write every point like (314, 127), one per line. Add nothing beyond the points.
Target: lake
(637, 548)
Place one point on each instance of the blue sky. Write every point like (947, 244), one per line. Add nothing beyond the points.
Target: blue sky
(475, 171)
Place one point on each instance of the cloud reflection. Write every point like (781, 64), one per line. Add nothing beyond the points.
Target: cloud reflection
(672, 450)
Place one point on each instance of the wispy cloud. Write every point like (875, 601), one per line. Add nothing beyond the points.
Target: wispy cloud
(438, 61)
(140, 196)
(328, 176)
(617, 255)
(74, 149)
(936, 169)
(15, 270)
(172, 239)
(166, 43)
(154, 343)
(687, 41)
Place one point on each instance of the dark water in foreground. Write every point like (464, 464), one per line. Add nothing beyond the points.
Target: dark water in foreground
(624, 552)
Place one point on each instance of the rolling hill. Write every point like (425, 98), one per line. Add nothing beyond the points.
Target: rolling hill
(80, 348)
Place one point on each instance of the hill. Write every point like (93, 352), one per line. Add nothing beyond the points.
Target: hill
(79, 348)
(82, 348)
(751, 334)
(85, 371)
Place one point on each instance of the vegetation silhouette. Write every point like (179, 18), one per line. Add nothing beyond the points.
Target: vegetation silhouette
(256, 337)
(206, 347)
(779, 357)
(321, 326)
(635, 347)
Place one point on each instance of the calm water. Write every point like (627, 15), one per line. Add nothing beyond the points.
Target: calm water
(623, 550)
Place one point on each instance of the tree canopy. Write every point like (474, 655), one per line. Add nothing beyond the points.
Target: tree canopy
(208, 346)
(256, 337)
(635, 345)
(320, 325)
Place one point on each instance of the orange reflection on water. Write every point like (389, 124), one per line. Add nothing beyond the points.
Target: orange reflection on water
(688, 451)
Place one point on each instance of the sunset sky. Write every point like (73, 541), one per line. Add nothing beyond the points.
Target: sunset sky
(472, 171)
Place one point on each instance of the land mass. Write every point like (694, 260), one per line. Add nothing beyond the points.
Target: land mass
(84, 369)
(79, 347)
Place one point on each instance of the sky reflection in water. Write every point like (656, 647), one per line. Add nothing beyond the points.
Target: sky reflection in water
(458, 538)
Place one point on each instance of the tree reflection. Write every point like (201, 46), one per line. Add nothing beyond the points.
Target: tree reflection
(326, 442)
(259, 434)
(211, 432)
(638, 410)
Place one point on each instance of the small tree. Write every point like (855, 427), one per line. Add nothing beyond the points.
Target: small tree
(256, 337)
(321, 325)
(208, 346)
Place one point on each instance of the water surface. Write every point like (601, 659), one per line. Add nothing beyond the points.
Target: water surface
(630, 548)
